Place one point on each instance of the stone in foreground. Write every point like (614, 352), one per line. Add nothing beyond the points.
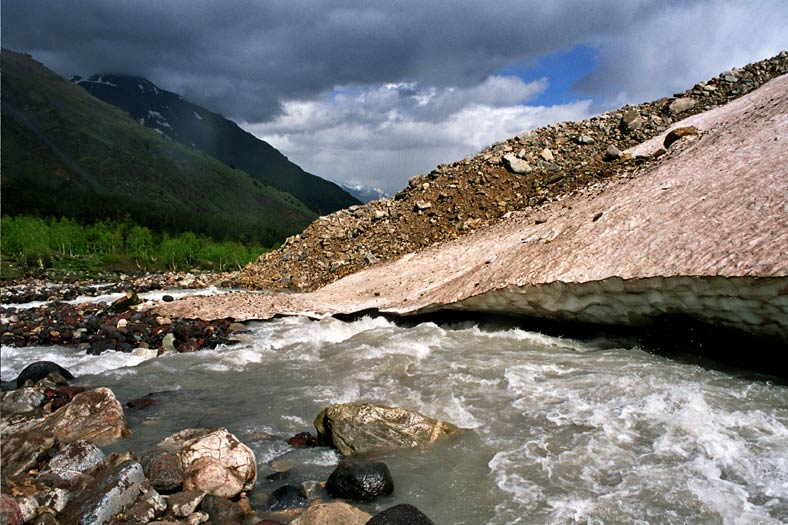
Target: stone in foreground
(116, 484)
(213, 461)
(332, 514)
(360, 480)
(354, 428)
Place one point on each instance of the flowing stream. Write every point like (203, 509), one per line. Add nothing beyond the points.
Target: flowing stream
(559, 431)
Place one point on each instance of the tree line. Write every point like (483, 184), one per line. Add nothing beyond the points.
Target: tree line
(38, 243)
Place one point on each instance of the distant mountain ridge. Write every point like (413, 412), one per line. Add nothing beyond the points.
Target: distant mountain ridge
(67, 153)
(364, 193)
(215, 135)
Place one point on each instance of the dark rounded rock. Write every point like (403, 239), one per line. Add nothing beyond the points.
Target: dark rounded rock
(222, 510)
(360, 480)
(167, 298)
(164, 471)
(402, 514)
(286, 497)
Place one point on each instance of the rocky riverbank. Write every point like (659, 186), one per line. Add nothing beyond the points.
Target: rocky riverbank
(55, 472)
(518, 174)
(29, 289)
(96, 328)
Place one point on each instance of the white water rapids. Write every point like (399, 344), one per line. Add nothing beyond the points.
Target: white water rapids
(559, 431)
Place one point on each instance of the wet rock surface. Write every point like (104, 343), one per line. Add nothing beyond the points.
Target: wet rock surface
(360, 480)
(354, 428)
(116, 484)
(458, 198)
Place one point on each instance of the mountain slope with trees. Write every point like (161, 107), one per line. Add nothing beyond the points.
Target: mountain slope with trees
(67, 153)
(210, 132)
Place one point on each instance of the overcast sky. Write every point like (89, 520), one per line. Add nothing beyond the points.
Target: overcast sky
(376, 92)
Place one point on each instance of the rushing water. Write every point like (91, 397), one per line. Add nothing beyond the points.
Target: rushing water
(559, 431)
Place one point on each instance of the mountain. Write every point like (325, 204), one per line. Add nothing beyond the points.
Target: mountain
(365, 193)
(67, 153)
(211, 133)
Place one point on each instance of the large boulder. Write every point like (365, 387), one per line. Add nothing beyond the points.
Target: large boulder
(360, 480)
(332, 514)
(353, 428)
(213, 461)
(116, 484)
(95, 416)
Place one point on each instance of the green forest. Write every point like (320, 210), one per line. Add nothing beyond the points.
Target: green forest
(33, 245)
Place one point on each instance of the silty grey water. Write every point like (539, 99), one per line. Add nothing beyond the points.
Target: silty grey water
(559, 431)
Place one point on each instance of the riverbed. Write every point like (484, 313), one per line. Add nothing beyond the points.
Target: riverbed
(558, 430)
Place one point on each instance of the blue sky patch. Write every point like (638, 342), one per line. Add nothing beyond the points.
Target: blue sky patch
(562, 71)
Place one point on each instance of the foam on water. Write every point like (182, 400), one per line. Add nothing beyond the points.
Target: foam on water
(78, 363)
(562, 431)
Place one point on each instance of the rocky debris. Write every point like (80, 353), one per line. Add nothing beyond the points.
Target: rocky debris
(337, 513)
(116, 484)
(353, 428)
(402, 514)
(478, 191)
(213, 461)
(87, 327)
(28, 290)
(360, 480)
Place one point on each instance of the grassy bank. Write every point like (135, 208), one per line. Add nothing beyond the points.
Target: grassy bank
(54, 247)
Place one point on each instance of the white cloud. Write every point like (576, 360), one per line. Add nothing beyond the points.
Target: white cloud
(383, 135)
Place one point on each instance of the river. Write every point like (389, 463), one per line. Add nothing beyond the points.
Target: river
(558, 430)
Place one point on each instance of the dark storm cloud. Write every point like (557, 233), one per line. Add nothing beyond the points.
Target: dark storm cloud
(374, 92)
(244, 57)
